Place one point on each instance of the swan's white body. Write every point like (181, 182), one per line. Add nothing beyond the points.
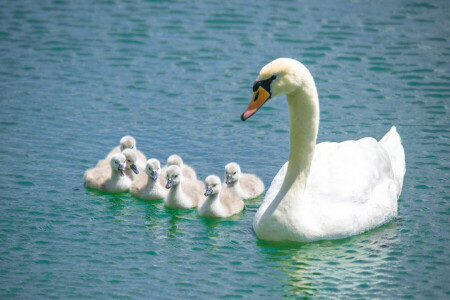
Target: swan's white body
(332, 190)
(221, 203)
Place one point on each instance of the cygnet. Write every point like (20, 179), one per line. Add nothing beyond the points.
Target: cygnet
(184, 193)
(110, 179)
(247, 186)
(220, 203)
(146, 186)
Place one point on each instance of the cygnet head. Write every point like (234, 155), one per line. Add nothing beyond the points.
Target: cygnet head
(281, 76)
(131, 157)
(118, 163)
(175, 160)
(173, 176)
(213, 185)
(232, 172)
(153, 168)
(127, 142)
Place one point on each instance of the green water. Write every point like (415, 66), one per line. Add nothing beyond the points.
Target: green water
(75, 76)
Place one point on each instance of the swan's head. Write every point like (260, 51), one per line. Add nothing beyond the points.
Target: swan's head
(131, 157)
(212, 185)
(173, 176)
(232, 172)
(281, 76)
(175, 160)
(127, 142)
(118, 163)
(153, 168)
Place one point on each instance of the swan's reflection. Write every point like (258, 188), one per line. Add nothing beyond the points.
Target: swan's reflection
(333, 265)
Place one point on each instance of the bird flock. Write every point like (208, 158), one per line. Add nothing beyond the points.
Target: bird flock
(126, 169)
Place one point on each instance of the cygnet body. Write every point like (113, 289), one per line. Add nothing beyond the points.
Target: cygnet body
(110, 179)
(220, 203)
(184, 193)
(147, 186)
(126, 142)
(247, 186)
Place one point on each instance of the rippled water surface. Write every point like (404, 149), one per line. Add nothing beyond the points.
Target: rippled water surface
(76, 76)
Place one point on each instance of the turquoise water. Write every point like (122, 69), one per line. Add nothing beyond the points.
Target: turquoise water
(76, 76)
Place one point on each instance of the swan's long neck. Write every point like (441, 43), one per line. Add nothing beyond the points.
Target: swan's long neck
(304, 123)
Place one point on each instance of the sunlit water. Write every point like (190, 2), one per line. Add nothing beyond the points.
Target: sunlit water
(76, 76)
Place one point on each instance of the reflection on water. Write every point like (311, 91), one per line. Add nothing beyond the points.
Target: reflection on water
(344, 261)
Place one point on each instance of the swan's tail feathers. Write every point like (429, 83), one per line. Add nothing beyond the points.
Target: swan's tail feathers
(393, 145)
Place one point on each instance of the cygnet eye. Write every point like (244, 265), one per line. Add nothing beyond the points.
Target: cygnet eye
(234, 173)
(116, 162)
(129, 160)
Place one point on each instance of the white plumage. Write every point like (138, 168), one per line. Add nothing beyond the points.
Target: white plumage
(328, 191)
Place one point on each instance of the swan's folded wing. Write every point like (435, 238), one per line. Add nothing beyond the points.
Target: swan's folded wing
(348, 172)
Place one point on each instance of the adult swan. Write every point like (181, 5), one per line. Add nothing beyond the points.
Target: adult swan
(326, 191)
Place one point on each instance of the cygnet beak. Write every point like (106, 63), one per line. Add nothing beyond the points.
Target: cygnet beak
(154, 175)
(121, 168)
(135, 170)
(209, 190)
(229, 179)
(169, 183)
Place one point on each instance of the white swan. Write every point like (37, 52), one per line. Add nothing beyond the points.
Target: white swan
(184, 193)
(126, 142)
(247, 186)
(221, 203)
(176, 160)
(328, 191)
(110, 179)
(146, 186)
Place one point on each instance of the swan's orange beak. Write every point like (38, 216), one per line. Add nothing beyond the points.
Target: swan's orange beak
(259, 98)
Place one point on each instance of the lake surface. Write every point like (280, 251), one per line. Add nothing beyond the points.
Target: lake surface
(76, 76)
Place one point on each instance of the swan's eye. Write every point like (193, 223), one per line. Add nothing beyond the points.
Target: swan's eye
(129, 160)
(256, 85)
(234, 173)
(273, 77)
(116, 162)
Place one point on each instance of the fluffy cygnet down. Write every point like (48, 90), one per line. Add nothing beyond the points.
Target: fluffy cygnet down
(175, 160)
(110, 179)
(220, 203)
(147, 186)
(127, 142)
(184, 193)
(247, 186)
